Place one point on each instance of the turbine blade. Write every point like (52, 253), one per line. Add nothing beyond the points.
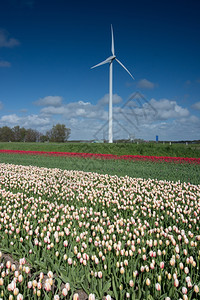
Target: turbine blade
(124, 68)
(108, 60)
(112, 46)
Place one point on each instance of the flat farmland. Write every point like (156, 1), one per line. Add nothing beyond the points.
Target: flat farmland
(160, 149)
(78, 228)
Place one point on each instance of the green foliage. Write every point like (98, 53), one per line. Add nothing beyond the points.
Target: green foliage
(59, 133)
(17, 134)
(6, 134)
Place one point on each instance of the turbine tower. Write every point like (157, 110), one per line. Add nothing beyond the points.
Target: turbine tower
(110, 60)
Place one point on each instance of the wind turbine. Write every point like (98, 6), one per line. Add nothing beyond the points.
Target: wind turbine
(110, 60)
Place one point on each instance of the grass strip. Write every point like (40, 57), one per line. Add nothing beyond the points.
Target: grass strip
(173, 150)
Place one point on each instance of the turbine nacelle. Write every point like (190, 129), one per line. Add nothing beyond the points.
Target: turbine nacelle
(113, 57)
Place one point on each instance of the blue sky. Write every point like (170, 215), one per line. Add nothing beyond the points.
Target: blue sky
(47, 48)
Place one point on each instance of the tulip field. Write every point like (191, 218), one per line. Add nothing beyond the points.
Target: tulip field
(185, 169)
(71, 234)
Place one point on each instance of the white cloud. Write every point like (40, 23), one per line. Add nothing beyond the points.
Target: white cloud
(83, 103)
(168, 109)
(78, 109)
(54, 101)
(190, 120)
(30, 121)
(4, 64)
(182, 129)
(6, 41)
(80, 112)
(35, 121)
(141, 119)
(196, 105)
(147, 119)
(105, 100)
(51, 110)
(11, 119)
(145, 84)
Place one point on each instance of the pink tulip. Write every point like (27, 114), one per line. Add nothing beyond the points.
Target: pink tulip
(100, 274)
(1, 281)
(148, 282)
(15, 291)
(34, 283)
(19, 297)
(158, 287)
(196, 289)
(186, 270)
(50, 274)
(65, 243)
(162, 264)
(22, 261)
(176, 282)
(76, 296)
(67, 286)
(39, 285)
(184, 290)
(8, 264)
(131, 283)
(64, 292)
(47, 286)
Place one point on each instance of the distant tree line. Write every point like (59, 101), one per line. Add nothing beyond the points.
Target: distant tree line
(58, 133)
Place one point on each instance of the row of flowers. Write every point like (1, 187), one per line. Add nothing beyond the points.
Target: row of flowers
(189, 160)
(17, 274)
(119, 237)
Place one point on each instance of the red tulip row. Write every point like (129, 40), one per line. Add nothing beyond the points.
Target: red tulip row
(109, 156)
